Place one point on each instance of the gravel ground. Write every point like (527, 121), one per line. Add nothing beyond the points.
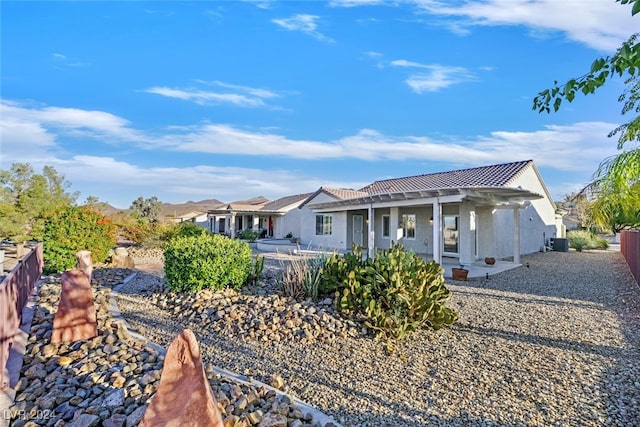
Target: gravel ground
(555, 343)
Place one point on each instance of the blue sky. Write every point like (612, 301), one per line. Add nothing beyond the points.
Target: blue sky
(236, 99)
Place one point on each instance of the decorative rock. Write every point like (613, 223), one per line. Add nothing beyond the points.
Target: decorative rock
(114, 398)
(273, 420)
(85, 263)
(276, 381)
(184, 395)
(86, 420)
(133, 419)
(121, 258)
(116, 420)
(76, 316)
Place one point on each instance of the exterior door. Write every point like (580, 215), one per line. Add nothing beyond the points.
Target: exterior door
(358, 223)
(450, 235)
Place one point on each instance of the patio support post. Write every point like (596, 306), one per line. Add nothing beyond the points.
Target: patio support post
(437, 235)
(232, 226)
(394, 220)
(371, 240)
(516, 235)
(256, 222)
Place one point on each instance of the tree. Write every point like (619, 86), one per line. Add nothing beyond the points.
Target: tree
(96, 204)
(74, 228)
(616, 176)
(147, 209)
(26, 198)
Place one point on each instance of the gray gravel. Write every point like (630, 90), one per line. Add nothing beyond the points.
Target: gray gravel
(555, 343)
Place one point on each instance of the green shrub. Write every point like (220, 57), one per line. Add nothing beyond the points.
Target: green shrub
(301, 277)
(206, 261)
(602, 244)
(249, 235)
(186, 229)
(72, 229)
(396, 291)
(584, 239)
(257, 269)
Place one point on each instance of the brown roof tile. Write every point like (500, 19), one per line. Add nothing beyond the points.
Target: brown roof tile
(486, 176)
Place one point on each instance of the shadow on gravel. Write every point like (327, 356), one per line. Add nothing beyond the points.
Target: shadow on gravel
(588, 280)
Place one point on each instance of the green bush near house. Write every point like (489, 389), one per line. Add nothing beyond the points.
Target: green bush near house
(249, 235)
(396, 291)
(209, 260)
(584, 239)
(72, 229)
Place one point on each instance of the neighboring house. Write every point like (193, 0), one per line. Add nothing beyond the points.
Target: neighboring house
(499, 211)
(276, 218)
(199, 218)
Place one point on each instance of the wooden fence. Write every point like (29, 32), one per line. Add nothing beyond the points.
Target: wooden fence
(630, 248)
(14, 294)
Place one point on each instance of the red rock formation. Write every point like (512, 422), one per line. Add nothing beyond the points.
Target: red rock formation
(85, 263)
(184, 396)
(76, 316)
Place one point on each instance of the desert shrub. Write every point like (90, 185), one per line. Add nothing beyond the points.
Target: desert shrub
(72, 229)
(584, 239)
(186, 229)
(601, 244)
(397, 292)
(257, 269)
(206, 261)
(249, 235)
(301, 277)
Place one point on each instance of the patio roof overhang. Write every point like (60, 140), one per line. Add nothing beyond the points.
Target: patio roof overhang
(482, 196)
(215, 212)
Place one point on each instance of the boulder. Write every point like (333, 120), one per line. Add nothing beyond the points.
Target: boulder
(76, 316)
(121, 258)
(184, 395)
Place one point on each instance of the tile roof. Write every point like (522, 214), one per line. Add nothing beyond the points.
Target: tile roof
(283, 202)
(344, 193)
(486, 176)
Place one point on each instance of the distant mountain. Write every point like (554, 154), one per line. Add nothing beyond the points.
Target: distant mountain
(173, 209)
(177, 209)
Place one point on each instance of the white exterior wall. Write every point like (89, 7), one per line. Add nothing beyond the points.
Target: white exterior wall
(288, 223)
(308, 238)
(538, 221)
(485, 233)
(382, 242)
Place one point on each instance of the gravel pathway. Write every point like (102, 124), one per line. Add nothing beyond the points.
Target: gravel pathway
(555, 343)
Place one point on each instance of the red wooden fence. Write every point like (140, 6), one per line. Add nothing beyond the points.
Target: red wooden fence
(14, 294)
(630, 248)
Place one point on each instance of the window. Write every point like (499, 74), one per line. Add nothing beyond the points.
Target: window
(324, 225)
(386, 226)
(409, 226)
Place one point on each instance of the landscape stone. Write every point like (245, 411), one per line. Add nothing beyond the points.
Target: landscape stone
(184, 395)
(85, 263)
(76, 316)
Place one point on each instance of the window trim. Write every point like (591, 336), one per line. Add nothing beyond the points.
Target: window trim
(386, 221)
(327, 224)
(405, 230)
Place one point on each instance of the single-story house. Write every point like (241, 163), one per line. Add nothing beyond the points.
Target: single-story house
(500, 211)
(199, 218)
(276, 218)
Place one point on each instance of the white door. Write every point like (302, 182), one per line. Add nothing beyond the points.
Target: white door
(358, 222)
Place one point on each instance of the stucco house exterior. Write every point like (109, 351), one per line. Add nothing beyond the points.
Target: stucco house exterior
(501, 211)
(271, 218)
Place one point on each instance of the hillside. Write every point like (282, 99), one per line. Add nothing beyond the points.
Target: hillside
(174, 209)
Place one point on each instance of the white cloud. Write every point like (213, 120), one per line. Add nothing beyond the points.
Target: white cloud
(304, 23)
(600, 24)
(37, 134)
(239, 96)
(435, 76)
